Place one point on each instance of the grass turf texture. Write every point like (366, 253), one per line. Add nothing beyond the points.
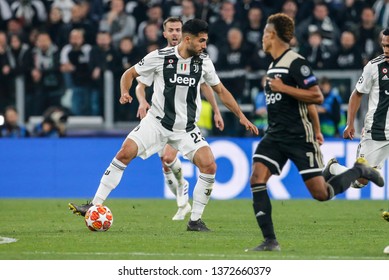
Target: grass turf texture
(143, 229)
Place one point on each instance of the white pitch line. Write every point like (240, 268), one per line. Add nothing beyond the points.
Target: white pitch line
(232, 256)
(5, 240)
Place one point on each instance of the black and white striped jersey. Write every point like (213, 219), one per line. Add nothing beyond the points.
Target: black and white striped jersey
(375, 82)
(176, 99)
(288, 117)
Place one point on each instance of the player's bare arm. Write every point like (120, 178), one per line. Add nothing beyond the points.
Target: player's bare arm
(353, 107)
(144, 106)
(229, 101)
(208, 94)
(311, 95)
(314, 116)
(125, 84)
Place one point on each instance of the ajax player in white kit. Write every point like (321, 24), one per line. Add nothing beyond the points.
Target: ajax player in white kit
(172, 117)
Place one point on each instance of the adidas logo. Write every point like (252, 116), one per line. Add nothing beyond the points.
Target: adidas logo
(385, 78)
(169, 66)
(260, 213)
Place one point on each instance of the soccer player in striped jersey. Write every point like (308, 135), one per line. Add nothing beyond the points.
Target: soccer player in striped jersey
(291, 94)
(172, 168)
(374, 143)
(171, 119)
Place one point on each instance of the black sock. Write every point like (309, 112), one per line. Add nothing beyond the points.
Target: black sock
(262, 210)
(340, 183)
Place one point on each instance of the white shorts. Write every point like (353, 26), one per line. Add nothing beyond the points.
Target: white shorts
(151, 137)
(375, 152)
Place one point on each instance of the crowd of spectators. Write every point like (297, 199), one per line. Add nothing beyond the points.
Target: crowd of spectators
(62, 47)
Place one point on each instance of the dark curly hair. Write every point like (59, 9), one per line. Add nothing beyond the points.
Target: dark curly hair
(284, 26)
(195, 27)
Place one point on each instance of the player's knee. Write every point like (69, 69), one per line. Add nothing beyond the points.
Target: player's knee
(168, 159)
(256, 178)
(127, 153)
(208, 168)
(124, 157)
(320, 195)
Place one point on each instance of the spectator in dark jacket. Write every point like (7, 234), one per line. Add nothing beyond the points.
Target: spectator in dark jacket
(349, 56)
(219, 29)
(5, 69)
(12, 128)
(46, 74)
(318, 54)
(75, 64)
(368, 33)
(103, 57)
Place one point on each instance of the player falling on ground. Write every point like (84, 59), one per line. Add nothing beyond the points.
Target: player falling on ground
(178, 73)
(291, 92)
(172, 168)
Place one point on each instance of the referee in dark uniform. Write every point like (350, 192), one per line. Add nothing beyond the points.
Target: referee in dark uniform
(291, 94)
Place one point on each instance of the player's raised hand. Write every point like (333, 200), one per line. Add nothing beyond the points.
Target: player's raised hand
(125, 98)
(142, 110)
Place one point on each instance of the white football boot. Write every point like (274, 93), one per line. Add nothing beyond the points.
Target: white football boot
(182, 202)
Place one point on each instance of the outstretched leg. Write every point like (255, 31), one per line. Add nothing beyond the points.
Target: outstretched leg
(111, 177)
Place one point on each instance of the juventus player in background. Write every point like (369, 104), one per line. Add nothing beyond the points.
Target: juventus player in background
(291, 94)
(172, 31)
(374, 144)
(178, 72)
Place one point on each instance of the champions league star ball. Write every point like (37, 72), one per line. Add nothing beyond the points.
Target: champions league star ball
(98, 218)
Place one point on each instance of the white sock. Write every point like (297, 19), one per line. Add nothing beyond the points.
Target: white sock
(109, 181)
(336, 169)
(201, 194)
(176, 168)
(170, 181)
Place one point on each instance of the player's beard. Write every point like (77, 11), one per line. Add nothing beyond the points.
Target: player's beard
(193, 52)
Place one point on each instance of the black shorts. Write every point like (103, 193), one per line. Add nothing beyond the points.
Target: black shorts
(305, 155)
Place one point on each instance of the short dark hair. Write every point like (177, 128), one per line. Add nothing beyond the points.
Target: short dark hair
(195, 27)
(385, 32)
(10, 108)
(324, 80)
(284, 26)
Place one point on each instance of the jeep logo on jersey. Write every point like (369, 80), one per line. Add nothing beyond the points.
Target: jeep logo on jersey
(183, 80)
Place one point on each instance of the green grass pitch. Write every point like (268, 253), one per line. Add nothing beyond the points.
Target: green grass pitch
(143, 230)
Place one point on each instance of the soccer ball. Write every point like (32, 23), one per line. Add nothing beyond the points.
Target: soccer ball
(98, 218)
(385, 215)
